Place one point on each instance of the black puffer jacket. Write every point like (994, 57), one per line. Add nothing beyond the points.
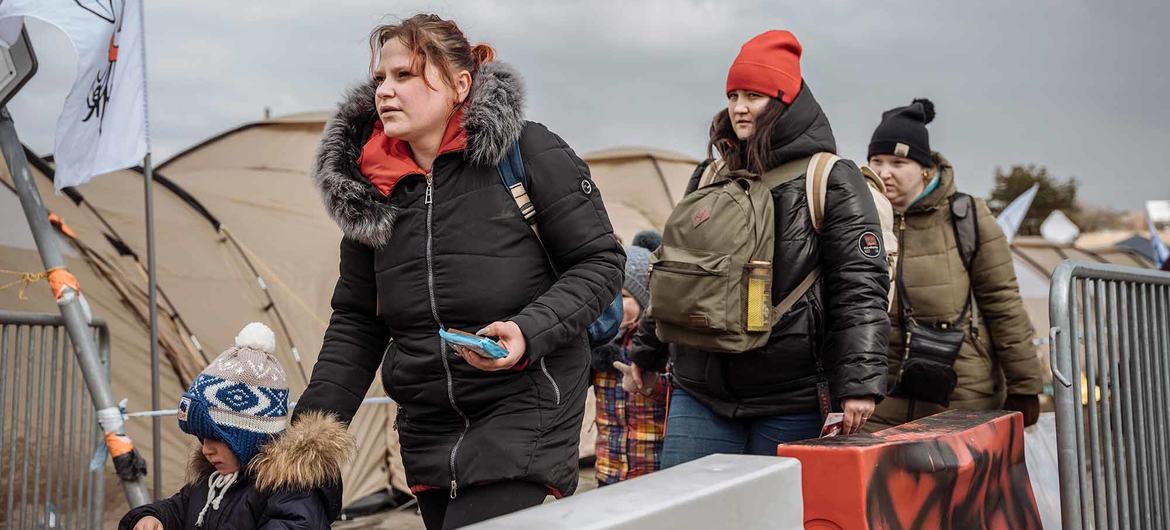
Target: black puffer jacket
(842, 319)
(464, 260)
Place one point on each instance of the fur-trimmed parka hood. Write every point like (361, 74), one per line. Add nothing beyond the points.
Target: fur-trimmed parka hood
(492, 118)
(308, 455)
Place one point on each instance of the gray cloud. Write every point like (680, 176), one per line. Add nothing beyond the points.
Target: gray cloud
(1074, 85)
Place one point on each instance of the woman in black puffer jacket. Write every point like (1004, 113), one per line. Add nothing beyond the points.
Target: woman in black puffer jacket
(834, 337)
(432, 240)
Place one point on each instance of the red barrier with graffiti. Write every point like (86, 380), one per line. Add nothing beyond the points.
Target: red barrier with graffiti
(957, 469)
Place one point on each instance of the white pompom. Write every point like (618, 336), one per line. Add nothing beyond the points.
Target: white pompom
(258, 337)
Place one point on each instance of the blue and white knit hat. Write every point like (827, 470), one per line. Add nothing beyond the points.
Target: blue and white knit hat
(241, 398)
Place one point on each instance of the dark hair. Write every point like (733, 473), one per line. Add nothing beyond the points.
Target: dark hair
(432, 39)
(751, 154)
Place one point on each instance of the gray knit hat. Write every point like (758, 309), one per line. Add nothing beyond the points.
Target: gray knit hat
(637, 280)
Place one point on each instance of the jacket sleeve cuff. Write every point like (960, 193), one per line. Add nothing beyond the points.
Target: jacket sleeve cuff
(649, 360)
(535, 345)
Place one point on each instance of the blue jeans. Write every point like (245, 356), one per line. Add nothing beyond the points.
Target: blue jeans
(694, 431)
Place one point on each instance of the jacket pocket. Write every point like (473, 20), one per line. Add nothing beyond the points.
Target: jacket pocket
(695, 290)
(389, 356)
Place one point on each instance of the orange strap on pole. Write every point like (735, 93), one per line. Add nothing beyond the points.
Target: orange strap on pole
(118, 445)
(59, 279)
(59, 222)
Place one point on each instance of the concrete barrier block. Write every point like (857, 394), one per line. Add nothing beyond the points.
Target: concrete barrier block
(718, 492)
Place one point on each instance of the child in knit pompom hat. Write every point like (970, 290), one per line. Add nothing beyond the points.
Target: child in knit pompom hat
(249, 471)
(631, 425)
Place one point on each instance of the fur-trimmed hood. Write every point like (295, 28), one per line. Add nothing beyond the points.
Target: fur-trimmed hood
(493, 119)
(308, 455)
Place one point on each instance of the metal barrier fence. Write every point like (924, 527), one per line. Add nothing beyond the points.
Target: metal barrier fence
(49, 428)
(1111, 372)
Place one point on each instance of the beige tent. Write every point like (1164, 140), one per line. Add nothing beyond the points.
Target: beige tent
(640, 185)
(227, 256)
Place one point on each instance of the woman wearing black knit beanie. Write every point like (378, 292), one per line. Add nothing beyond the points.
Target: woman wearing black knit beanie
(956, 288)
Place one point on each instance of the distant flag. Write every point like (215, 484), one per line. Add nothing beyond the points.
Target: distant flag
(1013, 215)
(103, 126)
(1161, 253)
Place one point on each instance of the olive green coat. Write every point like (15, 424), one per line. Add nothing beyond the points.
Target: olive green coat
(998, 357)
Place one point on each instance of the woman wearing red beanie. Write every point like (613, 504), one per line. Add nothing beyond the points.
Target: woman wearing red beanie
(831, 344)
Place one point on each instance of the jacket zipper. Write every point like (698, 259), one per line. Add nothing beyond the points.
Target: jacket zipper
(555, 386)
(909, 334)
(429, 201)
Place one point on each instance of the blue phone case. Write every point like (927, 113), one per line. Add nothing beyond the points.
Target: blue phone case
(484, 346)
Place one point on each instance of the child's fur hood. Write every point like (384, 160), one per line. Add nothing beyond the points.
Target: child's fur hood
(308, 455)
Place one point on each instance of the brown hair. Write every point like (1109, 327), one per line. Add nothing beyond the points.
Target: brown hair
(751, 154)
(432, 39)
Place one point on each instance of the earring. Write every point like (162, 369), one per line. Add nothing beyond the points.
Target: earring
(925, 174)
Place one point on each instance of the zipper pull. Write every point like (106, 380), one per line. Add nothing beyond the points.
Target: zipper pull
(902, 222)
(430, 192)
(454, 488)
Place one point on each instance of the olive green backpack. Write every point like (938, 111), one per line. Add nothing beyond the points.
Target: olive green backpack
(711, 279)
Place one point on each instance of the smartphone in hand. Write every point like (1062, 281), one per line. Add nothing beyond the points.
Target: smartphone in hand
(483, 346)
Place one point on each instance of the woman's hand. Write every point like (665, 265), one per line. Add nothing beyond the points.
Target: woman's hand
(509, 336)
(857, 412)
(635, 380)
(148, 523)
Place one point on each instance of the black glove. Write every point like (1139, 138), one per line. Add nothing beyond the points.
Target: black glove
(602, 357)
(1029, 406)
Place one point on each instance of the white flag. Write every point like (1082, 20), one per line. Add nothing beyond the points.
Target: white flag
(1013, 214)
(103, 126)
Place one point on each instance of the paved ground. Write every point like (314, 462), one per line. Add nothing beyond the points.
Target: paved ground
(408, 518)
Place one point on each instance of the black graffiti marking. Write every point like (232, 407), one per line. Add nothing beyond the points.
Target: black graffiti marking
(98, 97)
(995, 494)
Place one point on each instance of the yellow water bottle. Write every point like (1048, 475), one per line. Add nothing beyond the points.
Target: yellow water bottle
(759, 306)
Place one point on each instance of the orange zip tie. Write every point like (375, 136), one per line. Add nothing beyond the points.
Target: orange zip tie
(118, 445)
(59, 223)
(59, 279)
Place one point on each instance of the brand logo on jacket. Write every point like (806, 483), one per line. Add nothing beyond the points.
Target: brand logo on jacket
(869, 244)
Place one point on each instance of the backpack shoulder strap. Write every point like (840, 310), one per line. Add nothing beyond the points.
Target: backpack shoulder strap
(710, 171)
(873, 179)
(965, 221)
(515, 180)
(784, 172)
(816, 170)
(795, 295)
(816, 185)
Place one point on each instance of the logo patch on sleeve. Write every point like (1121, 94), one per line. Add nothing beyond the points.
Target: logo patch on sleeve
(184, 406)
(870, 245)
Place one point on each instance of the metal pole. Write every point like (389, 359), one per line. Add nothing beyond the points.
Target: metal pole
(75, 320)
(1067, 398)
(152, 287)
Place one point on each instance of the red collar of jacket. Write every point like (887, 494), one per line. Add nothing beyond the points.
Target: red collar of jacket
(385, 160)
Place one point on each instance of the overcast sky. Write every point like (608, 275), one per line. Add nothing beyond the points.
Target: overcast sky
(1080, 87)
